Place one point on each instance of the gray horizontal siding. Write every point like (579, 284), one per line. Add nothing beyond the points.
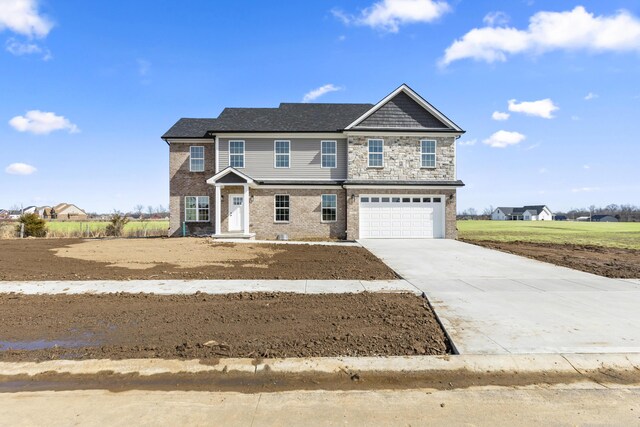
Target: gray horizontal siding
(305, 161)
(402, 112)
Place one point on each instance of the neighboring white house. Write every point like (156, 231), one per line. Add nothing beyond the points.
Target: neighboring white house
(525, 213)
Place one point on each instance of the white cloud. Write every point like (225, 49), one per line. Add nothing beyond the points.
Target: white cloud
(499, 115)
(496, 18)
(542, 108)
(20, 169)
(590, 96)
(22, 17)
(503, 138)
(389, 15)
(18, 48)
(42, 122)
(532, 146)
(584, 189)
(468, 142)
(547, 31)
(318, 92)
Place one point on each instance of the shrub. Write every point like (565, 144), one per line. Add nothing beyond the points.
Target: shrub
(116, 224)
(33, 225)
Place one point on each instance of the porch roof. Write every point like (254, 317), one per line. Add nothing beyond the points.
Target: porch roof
(230, 176)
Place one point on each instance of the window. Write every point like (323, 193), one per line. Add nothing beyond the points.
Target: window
(329, 152)
(426, 200)
(437, 200)
(282, 150)
(364, 200)
(196, 208)
(416, 200)
(236, 154)
(282, 208)
(329, 208)
(375, 153)
(196, 159)
(385, 200)
(428, 153)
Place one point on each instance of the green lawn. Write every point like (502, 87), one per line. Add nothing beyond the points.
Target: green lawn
(611, 234)
(77, 228)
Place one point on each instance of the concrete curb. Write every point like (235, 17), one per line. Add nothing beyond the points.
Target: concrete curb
(187, 287)
(556, 363)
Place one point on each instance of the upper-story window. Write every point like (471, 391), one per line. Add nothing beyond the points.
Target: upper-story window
(236, 154)
(196, 159)
(282, 150)
(329, 153)
(376, 157)
(428, 154)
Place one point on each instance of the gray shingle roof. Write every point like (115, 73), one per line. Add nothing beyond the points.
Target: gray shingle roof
(288, 117)
(189, 128)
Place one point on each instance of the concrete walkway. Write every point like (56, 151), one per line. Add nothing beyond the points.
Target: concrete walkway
(484, 407)
(492, 302)
(171, 287)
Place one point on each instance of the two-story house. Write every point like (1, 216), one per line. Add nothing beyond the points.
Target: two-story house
(312, 170)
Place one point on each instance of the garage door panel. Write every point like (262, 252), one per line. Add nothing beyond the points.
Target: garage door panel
(401, 216)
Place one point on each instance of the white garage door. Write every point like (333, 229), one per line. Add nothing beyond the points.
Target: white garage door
(401, 216)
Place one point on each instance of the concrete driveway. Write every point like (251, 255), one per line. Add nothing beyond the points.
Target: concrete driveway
(492, 302)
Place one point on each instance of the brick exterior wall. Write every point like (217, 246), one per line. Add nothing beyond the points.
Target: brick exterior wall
(402, 159)
(305, 214)
(183, 183)
(353, 208)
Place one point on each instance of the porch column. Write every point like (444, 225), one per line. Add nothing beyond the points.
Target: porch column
(218, 202)
(246, 208)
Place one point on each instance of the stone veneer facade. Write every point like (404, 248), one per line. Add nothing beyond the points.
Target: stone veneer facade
(402, 160)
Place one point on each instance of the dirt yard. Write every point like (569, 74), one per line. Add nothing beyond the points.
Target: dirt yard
(188, 258)
(120, 326)
(609, 262)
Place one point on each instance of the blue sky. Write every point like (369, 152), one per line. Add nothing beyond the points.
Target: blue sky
(87, 88)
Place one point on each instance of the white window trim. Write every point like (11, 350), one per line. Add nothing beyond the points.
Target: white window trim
(321, 208)
(274, 208)
(196, 158)
(197, 209)
(368, 153)
(244, 160)
(335, 155)
(275, 154)
(435, 154)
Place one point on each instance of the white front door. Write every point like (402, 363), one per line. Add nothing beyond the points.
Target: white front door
(236, 212)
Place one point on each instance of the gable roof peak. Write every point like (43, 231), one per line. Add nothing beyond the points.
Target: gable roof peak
(431, 117)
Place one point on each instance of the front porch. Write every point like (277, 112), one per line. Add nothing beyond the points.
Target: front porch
(236, 224)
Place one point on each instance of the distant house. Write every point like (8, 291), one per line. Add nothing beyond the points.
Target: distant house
(583, 219)
(524, 213)
(4, 214)
(29, 210)
(14, 214)
(67, 211)
(559, 217)
(603, 218)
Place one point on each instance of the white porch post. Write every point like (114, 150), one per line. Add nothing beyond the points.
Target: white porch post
(218, 202)
(246, 209)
